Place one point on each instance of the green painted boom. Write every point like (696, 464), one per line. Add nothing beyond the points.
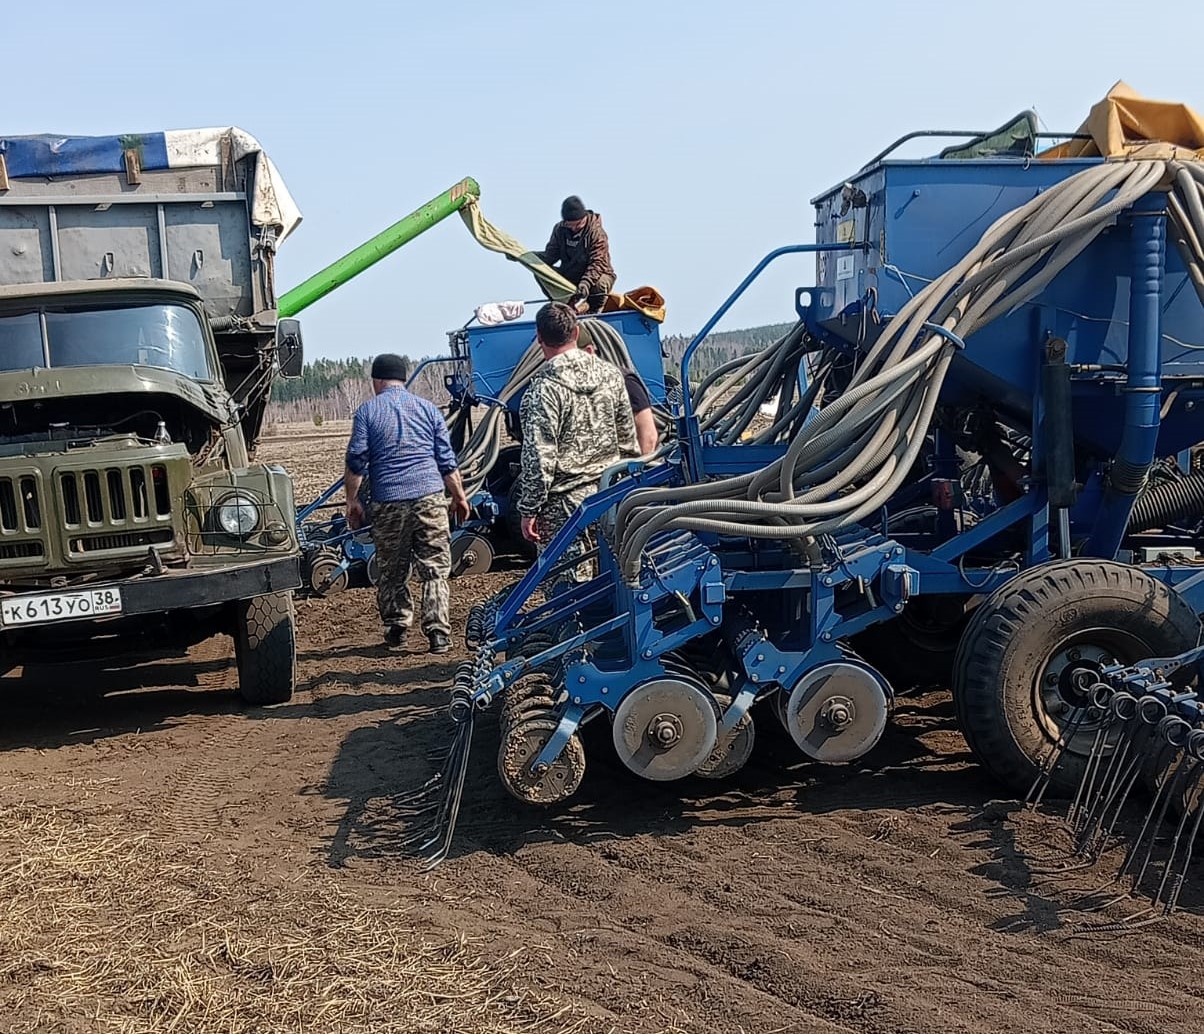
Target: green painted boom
(370, 252)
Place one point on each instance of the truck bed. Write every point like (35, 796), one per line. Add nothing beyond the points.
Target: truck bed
(202, 207)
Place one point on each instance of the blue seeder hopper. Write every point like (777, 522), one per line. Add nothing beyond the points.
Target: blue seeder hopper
(484, 375)
(986, 483)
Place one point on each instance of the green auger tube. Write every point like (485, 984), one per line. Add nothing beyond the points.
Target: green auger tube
(370, 252)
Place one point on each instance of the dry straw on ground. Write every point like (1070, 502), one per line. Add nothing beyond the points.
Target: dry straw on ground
(114, 932)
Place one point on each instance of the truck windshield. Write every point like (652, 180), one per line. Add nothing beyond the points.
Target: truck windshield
(163, 335)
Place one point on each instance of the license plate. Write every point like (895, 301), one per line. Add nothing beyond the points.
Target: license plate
(59, 606)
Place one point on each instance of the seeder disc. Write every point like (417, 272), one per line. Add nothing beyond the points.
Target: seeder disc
(521, 744)
(325, 577)
(470, 554)
(665, 728)
(733, 749)
(836, 712)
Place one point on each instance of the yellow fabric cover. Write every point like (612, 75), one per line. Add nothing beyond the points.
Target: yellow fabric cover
(1126, 125)
(645, 300)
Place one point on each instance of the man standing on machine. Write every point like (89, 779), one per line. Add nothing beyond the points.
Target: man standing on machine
(580, 245)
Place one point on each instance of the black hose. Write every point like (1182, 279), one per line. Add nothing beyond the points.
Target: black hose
(1174, 500)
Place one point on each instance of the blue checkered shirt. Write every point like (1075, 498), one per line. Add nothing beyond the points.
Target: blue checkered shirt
(401, 442)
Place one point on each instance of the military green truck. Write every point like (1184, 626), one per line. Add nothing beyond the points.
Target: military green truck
(139, 340)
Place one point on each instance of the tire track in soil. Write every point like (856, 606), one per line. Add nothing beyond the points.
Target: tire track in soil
(771, 970)
(196, 794)
(743, 953)
(223, 756)
(839, 887)
(728, 997)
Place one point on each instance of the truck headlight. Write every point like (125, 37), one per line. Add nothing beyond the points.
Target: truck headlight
(238, 515)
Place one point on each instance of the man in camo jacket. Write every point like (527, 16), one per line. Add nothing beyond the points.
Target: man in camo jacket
(401, 440)
(576, 421)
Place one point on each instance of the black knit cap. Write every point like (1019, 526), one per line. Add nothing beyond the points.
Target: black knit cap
(572, 209)
(389, 367)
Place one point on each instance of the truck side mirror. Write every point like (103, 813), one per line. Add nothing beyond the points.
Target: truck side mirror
(289, 352)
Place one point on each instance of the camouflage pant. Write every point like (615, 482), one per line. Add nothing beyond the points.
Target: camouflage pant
(551, 518)
(413, 534)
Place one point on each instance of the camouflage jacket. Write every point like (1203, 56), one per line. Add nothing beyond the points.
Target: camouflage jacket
(584, 255)
(576, 422)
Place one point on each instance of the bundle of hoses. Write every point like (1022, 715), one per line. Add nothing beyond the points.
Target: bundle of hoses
(480, 453)
(729, 400)
(860, 447)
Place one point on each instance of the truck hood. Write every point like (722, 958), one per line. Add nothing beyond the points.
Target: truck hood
(77, 381)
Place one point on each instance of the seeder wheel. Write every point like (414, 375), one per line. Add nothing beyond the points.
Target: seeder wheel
(325, 576)
(837, 711)
(470, 554)
(665, 728)
(521, 744)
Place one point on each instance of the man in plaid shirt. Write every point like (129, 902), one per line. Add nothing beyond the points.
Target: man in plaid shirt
(401, 441)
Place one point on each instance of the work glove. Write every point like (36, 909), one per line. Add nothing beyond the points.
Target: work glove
(581, 294)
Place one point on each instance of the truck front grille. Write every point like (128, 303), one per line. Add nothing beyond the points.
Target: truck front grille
(113, 511)
(23, 528)
(20, 507)
(115, 495)
(21, 550)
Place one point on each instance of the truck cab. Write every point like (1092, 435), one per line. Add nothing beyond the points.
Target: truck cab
(132, 513)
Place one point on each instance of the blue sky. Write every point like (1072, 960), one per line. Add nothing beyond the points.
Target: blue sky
(700, 131)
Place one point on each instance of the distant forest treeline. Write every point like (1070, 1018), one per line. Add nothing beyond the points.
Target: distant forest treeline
(331, 389)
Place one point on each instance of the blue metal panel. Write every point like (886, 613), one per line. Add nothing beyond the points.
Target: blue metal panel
(495, 351)
(919, 218)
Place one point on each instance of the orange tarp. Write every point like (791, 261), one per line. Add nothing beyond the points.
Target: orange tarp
(1126, 125)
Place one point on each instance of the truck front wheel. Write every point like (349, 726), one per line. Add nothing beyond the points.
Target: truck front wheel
(265, 647)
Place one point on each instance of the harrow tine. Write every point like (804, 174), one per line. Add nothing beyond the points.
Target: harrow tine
(1167, 751)
(425, 790)
(1136, 921)
(1170, 787)
(1045, 775)
(1091, 847)
(1128, 763)
(1087, 783)
(1106, 825)
(1191, 783)
(1173, 900)
(1107, 787)
(457, 772)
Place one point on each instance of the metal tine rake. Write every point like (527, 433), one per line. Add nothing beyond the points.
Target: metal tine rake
(1195, 814)
(1100, 696)
(439, 844)
(1135, 724)
(1045, 776)
(1174, 783)
(1144, 738)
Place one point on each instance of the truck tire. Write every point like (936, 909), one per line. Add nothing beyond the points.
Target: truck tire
(265, 648)
(1011, 683)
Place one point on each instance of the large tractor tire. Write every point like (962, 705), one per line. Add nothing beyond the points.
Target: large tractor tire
(265, 648)
(1014, 685)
